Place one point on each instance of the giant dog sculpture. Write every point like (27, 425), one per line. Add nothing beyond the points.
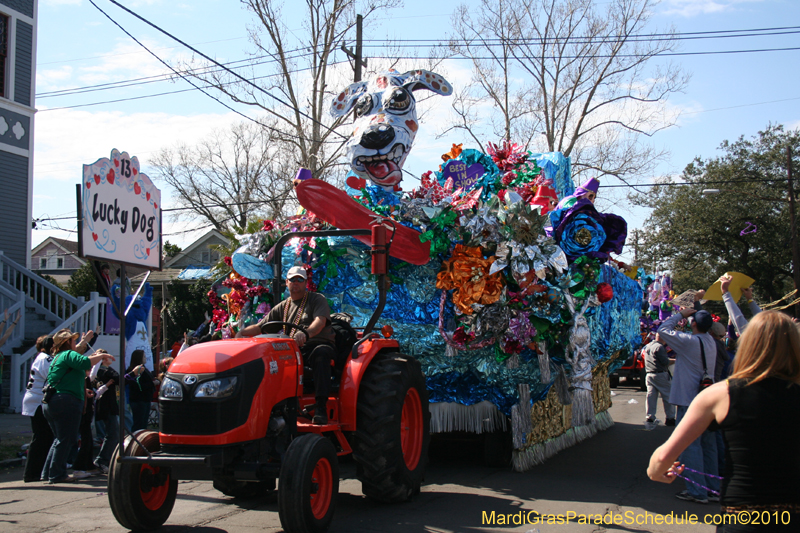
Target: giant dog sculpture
(386, 121)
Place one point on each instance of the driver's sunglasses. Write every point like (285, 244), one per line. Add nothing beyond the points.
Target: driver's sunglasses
(297, 279)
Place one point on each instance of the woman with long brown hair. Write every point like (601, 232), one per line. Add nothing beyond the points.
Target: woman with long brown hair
(758, 410)
(63, 410)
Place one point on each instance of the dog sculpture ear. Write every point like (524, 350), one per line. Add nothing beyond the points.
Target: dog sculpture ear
(342, 104)
(425, 79)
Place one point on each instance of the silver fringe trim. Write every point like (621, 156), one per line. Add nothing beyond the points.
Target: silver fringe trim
(582, 408)
(450, 351)
(521, 417)
(513, 362)
(544, 364)
(523, 460)
(481, 417)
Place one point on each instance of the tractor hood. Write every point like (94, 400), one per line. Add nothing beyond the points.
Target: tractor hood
(219, 356)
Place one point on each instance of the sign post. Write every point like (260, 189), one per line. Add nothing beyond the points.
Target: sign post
(119, 220)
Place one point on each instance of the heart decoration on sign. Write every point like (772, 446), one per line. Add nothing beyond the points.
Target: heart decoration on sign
(110, 176)
(97, 179)
(137, 189)
(116, 163)
(88, 184)
(148, 196)
(94, 236)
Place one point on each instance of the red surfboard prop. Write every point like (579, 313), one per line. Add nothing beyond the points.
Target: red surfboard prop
(335, 207)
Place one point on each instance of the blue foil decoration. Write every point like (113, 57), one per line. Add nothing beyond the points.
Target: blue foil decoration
(556, 168)
(581, 223)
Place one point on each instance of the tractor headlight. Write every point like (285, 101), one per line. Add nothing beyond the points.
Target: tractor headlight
(171, 390)
(216, 388)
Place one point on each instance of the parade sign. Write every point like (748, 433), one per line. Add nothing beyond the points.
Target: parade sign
(463, 176)
(120, 213)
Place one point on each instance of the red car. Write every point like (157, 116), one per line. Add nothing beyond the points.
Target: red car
(632, 370)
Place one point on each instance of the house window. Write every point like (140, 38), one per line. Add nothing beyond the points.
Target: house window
(59, 262)
(205, 257)
(42, 263)
(3, 53)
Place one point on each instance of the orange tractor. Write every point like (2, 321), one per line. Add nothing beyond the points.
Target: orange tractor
(235, 412)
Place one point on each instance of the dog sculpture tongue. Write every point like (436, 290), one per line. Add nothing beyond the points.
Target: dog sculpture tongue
(380, 169)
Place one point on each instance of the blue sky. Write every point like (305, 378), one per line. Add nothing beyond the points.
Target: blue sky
(727, 96)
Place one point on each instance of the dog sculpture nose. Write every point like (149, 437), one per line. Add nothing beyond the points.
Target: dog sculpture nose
(377, 136)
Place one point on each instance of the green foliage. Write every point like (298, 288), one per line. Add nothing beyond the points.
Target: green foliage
(698, 237)
(52, 280)
(187, 307)
(82, 282)
(171, 250)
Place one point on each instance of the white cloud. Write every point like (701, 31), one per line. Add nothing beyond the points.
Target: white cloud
(52, 79)
(691, 8)
(67, 138)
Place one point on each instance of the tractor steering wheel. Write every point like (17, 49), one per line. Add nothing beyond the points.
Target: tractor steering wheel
(292, 326)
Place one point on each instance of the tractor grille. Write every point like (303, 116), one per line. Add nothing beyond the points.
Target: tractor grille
(203, 416)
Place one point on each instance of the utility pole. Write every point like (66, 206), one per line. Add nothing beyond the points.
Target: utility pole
(356, 56)
(793, 229)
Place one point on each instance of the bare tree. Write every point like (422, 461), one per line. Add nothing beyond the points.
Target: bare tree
(229, 178)
(300, 71)
(571, 76)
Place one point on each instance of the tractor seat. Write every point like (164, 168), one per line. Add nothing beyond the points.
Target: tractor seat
(308, 377)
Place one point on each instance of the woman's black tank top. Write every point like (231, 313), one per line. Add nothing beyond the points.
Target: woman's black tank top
(762, 444)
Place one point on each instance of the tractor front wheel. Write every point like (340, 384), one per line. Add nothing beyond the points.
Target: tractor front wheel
(392, 433)
(141, 496)
(308, 485)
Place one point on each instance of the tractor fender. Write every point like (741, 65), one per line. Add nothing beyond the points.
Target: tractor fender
(351, 378)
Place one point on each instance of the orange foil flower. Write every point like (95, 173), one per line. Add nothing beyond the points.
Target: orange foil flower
(467, 274)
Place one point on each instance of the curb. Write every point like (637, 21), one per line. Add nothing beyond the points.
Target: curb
(8, 463)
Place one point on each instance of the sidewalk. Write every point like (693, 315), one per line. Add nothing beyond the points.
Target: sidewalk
(14, 429)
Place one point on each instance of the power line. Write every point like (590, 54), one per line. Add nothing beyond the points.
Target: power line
(491, 43)
(158, 77)
(270, 128)
(434, 42)
(208, 58)
(130, 53)
(644, 36)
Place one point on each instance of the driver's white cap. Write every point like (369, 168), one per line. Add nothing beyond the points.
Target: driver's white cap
(297, 271)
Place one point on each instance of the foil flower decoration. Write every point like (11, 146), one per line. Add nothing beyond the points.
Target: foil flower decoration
(483, 228)
(466, 273)
(454, 152)
(582, 234)
(507, 155)
(520, 330)
(269, 225)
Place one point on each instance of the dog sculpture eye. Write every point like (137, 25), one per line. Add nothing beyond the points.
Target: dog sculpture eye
(399, 100)
(364, 105)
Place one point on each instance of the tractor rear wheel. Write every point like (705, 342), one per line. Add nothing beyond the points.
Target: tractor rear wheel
(392, 432)
(308, 485)
(141, 495)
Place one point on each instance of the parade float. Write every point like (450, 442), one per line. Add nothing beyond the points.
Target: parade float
(502, 284)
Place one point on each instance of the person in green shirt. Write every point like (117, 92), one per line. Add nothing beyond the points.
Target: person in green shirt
(63, 410)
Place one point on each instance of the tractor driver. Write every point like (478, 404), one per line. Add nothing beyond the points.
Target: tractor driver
(308, 309)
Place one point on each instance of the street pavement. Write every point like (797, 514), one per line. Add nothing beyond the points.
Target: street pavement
(604, 476)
